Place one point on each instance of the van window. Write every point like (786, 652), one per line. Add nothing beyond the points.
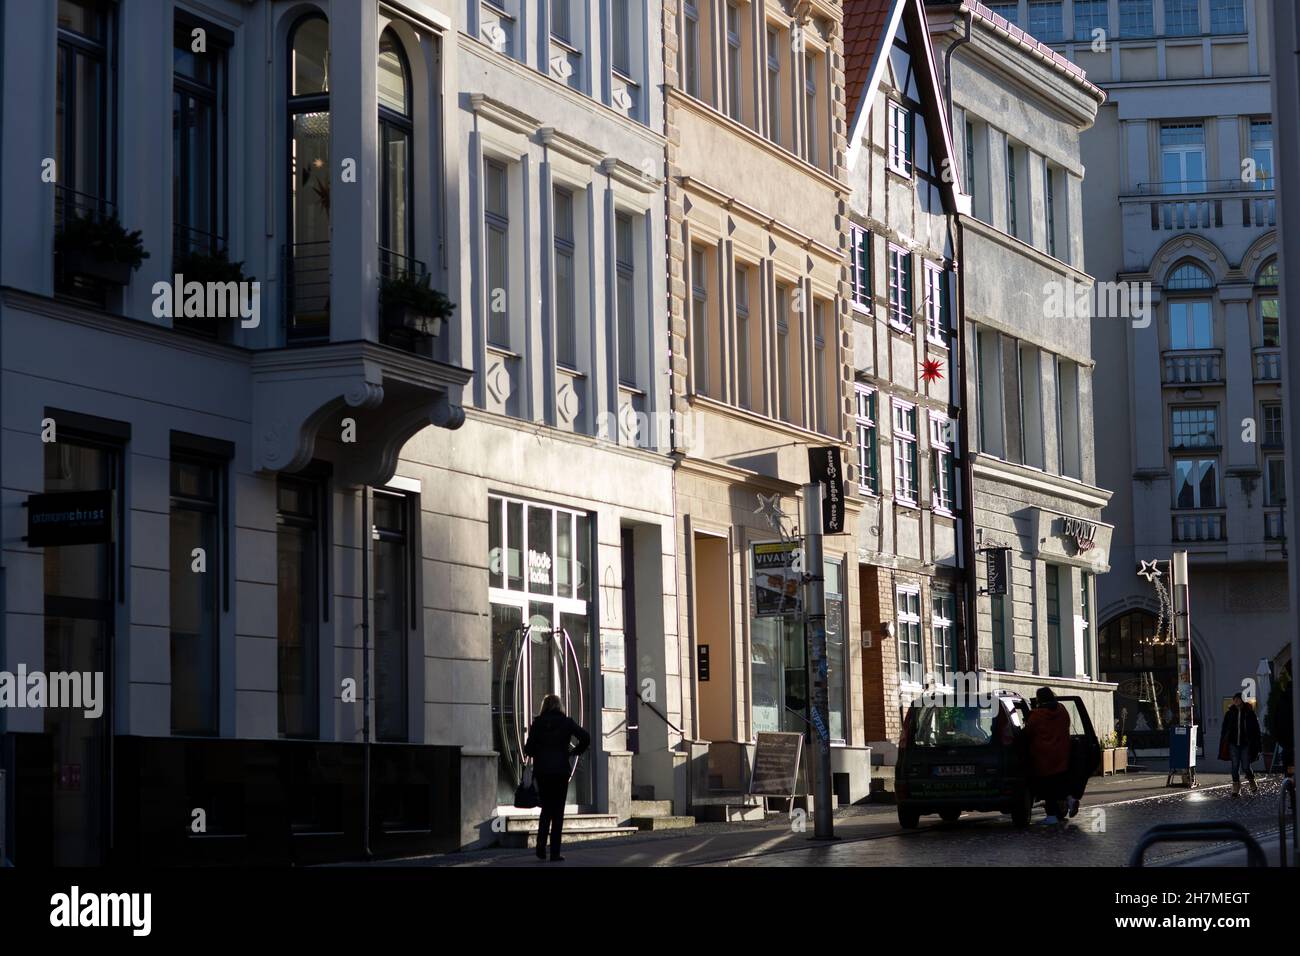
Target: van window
(953, 726)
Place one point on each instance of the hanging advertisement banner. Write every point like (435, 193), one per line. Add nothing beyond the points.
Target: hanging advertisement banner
(778, 568)
(824, 469)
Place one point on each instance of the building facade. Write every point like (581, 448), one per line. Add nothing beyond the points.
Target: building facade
(288, 529)
(1182, 168)
(1018, 111)
(756, 219)
(904, 294)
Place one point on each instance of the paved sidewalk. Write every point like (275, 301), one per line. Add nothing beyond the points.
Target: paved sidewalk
(708, 843)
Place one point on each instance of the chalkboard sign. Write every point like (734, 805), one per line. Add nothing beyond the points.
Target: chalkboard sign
(776, 764)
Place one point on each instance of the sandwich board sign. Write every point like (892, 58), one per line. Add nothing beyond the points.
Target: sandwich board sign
(776, 764)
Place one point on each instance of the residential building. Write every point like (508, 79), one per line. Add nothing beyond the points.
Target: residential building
(1018, 110)
(904, 280)
(1181, 200)
(759, 310)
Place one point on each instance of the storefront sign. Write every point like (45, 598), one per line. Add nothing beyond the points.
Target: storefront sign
(776, 764)
(777, 572)
(1083, 532)
(996, 566)
(539, 568)
(69, 517)
(824, 469)
(703, 666)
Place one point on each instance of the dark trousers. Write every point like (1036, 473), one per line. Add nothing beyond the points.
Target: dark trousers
(551, 791)
(1053, 788)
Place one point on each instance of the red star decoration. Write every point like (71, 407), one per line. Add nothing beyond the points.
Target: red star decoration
(931, 371)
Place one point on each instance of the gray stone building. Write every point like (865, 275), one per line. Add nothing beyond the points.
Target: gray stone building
(1182, 209)
(1018, 110)
(259, 499)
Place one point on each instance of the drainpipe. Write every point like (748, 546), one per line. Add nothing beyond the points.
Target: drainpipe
(365, 670)
(970, 644)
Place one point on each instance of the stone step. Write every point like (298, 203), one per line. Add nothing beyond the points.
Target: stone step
(574, 823)
(528, 838)
(662, 822)
(652, 808)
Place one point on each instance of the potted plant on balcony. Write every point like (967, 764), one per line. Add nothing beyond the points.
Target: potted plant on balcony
(215, 267)
(412, 308)
(100, 248)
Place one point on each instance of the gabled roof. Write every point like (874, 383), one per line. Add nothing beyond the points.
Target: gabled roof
(869, 30)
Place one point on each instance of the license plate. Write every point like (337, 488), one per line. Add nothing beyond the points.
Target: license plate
(955, 770)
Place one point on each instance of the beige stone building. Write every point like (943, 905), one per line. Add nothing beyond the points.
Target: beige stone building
(761, 351)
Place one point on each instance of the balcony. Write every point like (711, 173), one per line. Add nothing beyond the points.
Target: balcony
(1205, 204)
(1192, 527)
(1268, 364)
(393, 266)
(69, 277)
(1193, 367)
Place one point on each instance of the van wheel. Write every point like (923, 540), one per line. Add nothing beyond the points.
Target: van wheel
(949, 815)
(1022, 810)
(908, 817)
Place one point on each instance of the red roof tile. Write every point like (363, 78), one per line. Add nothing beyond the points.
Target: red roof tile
(864, 24)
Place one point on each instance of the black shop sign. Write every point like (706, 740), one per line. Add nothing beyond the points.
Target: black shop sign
(69, 517)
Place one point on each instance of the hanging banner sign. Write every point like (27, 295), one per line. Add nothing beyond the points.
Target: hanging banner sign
(69, 517)
(824, 469)
(778, 570)
(996, 566)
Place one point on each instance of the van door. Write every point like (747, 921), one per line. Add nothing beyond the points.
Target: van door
(1085, 748)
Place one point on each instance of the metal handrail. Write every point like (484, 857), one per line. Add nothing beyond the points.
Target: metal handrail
(658, 714)
(1231, 185)
(1288, 786)
(1199, 832)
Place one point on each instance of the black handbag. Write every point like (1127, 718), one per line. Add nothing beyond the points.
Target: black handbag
(526, 792)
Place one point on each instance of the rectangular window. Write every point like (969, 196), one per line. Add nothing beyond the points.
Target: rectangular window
(812, 110)
(1274, 481)
(1261, 151)
(1085, 599)
(1227, 16)
(699, 322)
(774, 43)
(1182, 18)
(1090, 15)
(868, 452)
(1049, 182)
(1007, 9)
(943, 632)
(1194, 428)
(1270, 330)
(198, 142)
(942, 441)
(734, 64)
(1013, 224)
(937, 327)
(989, 388)
(909, 635)
(1055, 653)
(970, 159)
(783, 385)
(836, 659)
(1136, 18)
(497, 227)
(860, 267)
(1031, 406)
(899, 150)
(823, 380)
(1045, 20)
(1196, 483)
(621, 39)
(1182, 157)
(393, 579)
(691, 48)
(1068, 423)
(561, 22)
(1272, 436)
(1190, 326)
(298, 560)
(904, 439)
(82, 138)
(900, 288)
(196, 577)
(742, 336)
(624, 261)
(566, 319)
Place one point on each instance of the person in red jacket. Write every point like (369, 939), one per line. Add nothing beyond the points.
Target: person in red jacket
(1049, 752)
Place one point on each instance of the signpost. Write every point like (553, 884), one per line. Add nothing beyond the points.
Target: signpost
(815, 621)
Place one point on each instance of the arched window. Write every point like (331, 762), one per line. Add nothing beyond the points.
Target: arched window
(1145, 666)
(395, 159)
(1188, 276)
(1270, 335)
(310, 178)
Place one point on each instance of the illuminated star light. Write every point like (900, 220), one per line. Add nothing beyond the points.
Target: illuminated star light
(770, 508)
(931, 370)
(1150, 571)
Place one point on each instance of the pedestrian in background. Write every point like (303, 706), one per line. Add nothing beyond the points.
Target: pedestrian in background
(548, 744)
(1239, 742)
(1049, 752)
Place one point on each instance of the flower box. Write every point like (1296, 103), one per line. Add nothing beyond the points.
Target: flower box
(1107, 766)
(407, 318)
(78, 262)
(1121, 759)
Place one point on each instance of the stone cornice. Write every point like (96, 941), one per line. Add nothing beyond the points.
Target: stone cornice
(1031, 479)
(758, 217)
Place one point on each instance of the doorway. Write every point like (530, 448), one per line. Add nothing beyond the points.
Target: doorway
(713, 641)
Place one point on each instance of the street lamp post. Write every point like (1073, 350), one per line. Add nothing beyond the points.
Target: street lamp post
(815, 623)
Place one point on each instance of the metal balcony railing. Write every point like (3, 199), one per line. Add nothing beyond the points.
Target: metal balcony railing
(306, 271)
(1193, 526)
(1268, 364)
(1192, 187)
(1192, 366)
(394, 266)
(187, 240)
(69, 204)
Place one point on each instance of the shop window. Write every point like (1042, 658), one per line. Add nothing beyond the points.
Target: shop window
(197, 548)
(298, 602)
(394, 590)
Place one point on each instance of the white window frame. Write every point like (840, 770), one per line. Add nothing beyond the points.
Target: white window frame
(868, 459)
(943, 635)
(900, 288)
(935, 302)
(943, 442)
(860, 241)
(899, 149)
(908, 622)
(904, 439)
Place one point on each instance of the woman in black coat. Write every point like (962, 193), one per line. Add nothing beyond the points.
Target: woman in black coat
(548, 745)
(1239, 742)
